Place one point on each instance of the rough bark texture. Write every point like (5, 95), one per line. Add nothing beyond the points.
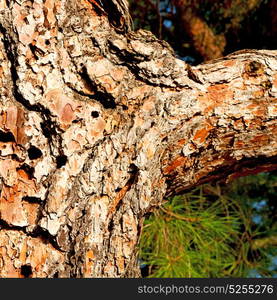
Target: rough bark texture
(98, 124)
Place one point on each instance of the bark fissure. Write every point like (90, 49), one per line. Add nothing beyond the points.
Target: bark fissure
(49, 127)
(42, 235)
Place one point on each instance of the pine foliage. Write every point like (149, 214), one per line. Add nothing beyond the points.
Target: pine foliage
(211, 232)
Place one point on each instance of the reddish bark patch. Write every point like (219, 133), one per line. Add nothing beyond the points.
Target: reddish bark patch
(215, 97)
(229, 63)
(202, 133)
(181, 142)
(239, 144)
(258, 108)
(274, 82)
(260, 140)
(179, 161)
(13, 119)
(250, 171)
(12, 209)
(67, 114)
(219, 92)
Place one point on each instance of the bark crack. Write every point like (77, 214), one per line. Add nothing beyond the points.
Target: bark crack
(49, 127)
(37, 233)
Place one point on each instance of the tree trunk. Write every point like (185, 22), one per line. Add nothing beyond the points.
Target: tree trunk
(98, 124)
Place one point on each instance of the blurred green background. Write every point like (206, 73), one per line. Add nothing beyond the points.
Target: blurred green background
(216, 230)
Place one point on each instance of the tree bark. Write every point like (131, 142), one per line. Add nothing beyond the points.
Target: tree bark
(98, 125)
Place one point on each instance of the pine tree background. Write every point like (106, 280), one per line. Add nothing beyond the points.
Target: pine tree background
(200, 30)
(217, 229)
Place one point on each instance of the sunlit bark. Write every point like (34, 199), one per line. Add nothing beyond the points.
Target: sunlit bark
(97, 126)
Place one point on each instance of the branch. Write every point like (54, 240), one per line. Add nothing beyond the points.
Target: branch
(264, 242)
